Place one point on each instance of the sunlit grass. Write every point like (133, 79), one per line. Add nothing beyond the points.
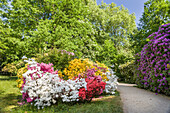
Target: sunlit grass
(10, 95)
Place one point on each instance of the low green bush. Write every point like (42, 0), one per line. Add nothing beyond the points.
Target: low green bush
(127, 72)
(59, 58)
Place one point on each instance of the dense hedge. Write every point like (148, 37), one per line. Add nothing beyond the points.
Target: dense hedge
(153, 61)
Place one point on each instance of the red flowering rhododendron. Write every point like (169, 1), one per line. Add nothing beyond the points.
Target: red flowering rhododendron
(94, 87)
(82, 93)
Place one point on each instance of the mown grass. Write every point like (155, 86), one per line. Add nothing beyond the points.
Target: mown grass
(10, 95)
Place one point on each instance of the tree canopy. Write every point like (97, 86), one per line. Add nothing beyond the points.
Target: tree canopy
(99, 32)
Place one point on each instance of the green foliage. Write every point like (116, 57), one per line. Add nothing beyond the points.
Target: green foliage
(114, 27)
(156, 13)
(128, 72)
(59, 58)
(11, 48)
(11, 68)
(108, 53)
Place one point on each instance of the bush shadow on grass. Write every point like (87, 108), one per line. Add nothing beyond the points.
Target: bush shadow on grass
(8, 77)
(1, 92)
(9, 101)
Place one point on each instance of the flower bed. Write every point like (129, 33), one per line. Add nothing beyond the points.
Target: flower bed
(42, 86)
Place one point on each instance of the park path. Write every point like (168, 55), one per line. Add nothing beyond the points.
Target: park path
(137, 100)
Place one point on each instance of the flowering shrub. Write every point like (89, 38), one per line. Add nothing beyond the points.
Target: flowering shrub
(81, 67)
(21, 71)
(152, 62)
(42, 86)
(76, 67)
(94, 87)
(101, 65)
(111, 84)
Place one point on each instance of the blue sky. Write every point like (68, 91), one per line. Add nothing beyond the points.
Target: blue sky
(134, 6)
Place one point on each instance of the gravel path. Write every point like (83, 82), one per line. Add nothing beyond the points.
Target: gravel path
(137, 100)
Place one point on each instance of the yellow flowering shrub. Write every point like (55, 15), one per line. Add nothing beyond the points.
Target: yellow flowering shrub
(11, 68)
(100, 71)
(102, 65)
(60, 74)
(80, 66)
(76, 67)
(20, 77)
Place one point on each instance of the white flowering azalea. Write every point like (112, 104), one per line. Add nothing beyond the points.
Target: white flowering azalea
(111, 84)
(69, 90)
(24, 57)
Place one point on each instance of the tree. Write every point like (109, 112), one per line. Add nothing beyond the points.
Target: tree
(62, 24)
(11, 48)
(113, 23)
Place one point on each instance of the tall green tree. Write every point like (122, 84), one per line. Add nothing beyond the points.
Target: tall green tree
(156, 13)
(11, 48)
(62, 24)
(116, 24)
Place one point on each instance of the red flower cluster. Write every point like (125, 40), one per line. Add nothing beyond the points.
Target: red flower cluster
(94, 87)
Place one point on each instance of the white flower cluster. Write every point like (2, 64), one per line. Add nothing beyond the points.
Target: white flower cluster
(69, 90)
(47, 88)
(111, 84)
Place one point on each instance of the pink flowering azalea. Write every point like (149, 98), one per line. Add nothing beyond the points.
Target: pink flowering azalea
(29, 99)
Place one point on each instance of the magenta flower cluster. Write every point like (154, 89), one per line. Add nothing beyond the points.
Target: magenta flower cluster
(152, 70)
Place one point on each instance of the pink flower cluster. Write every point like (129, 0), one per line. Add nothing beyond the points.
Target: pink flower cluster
(44, 68)
(47, 68)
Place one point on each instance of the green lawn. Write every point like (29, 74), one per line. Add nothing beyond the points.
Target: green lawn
(10, 95)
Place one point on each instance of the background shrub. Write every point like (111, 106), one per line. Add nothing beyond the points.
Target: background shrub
(13, 67)
(59, 58)
(152, 70)
(127, 72)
